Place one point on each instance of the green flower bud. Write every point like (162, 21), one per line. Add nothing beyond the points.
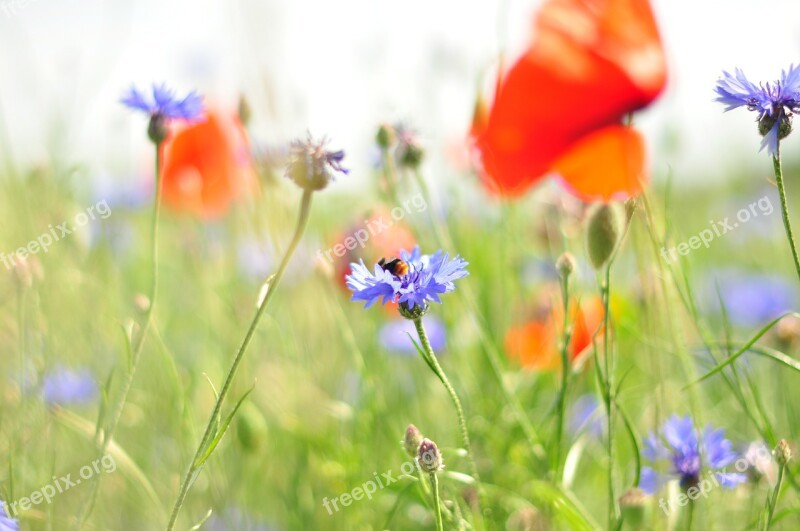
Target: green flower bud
(634, 504)
(386, 136)
(604, 229)
(251, 428)
(418, 311)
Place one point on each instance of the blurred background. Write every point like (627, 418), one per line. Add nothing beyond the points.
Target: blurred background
(336, 67)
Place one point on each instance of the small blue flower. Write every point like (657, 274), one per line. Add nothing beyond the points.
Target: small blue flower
(164, 104)
(394, 336)
(6, 522)
(428, 276)
(586, 415)
(750, 299)
(688, 452)
(775, 102)
(64, 386)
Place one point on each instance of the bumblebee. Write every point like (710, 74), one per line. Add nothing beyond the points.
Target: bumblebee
(396, 267)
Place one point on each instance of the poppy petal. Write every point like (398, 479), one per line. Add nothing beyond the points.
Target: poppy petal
(591, 63)
(605, 165)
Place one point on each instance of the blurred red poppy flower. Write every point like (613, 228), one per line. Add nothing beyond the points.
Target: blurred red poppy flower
(560, 107)
(535, 344)
(207, 166)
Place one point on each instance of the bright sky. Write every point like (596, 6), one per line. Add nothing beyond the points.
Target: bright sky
(339, 67)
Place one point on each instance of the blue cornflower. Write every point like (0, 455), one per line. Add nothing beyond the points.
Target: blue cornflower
(165, 104)
(6, 522)
(775, 102)
(65, 386)
(413, 280)
(688, 452)
(163, 107)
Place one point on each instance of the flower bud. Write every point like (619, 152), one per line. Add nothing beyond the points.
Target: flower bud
(604, 229)
(251, 428)
(783, 452)
(244, 111)
(428, 457)
(565, 265)
(633, 505)
(412, 440)
(766, 124)
(385, 136)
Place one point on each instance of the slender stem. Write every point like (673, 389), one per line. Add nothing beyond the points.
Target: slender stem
(271, 283)
(613, 506)
(562, 394)
(462, 421)
(690, 516)
(775, 495)
(111, 426)
(437, 502)
(776, 164)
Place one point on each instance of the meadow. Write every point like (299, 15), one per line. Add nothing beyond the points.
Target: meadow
(241, 341)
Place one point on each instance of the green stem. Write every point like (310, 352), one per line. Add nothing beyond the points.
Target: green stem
(111, 426)
(776, 164)
(774, 500)
(462, 421)
(437, 503)
(271, 283)
(562, 394)
(613, 505)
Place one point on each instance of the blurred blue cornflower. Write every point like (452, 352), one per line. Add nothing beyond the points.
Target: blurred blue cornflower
(165, 104)
(688, 452)
(413, 280)
(64, 386)
(6, 522)
(394, 336)
(586, 415)
(775, 102)
(750, 299)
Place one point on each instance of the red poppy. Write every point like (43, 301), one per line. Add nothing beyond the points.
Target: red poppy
(206, 166)
(535, 344)
(560, 107)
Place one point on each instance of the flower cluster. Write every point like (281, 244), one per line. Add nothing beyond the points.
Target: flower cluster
(774, 102)
(687, 451)
(420, 280)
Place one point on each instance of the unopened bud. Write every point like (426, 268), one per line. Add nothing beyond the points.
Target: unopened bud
(633, 505)
(428, 457)
(604, 229)
(251, 428)
(412, 440)
(565, 265)
(385, 136)
(783, 452)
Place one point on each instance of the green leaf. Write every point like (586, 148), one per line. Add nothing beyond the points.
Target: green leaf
(199, 524)
(564, 505)
(784, 359)
(221, 431)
